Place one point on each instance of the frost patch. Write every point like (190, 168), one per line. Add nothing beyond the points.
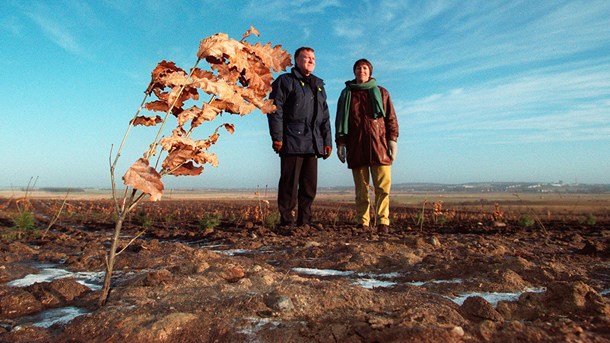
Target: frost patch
(373, 283)
(89, 279)
(494, 297)
(322, 272)
(421, 283)
(53, 316)
(233, 252)
(259, 324)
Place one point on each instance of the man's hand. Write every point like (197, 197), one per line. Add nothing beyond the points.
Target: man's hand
(327, 151)
(341, 152)
(392, 149)
(277, 146)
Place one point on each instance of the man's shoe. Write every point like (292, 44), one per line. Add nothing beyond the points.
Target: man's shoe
(363, 227)
(383, 228)
(284, 229)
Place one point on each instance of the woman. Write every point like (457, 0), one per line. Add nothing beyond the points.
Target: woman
(366, 136)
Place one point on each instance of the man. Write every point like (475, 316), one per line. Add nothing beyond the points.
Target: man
(366, 136)
(300, 132)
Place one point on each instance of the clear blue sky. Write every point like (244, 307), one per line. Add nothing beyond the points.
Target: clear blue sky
(484, 90)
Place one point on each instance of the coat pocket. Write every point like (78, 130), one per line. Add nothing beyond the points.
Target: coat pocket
(295, 129)
(297, 139)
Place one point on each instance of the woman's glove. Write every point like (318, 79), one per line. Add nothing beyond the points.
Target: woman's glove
(341, 152)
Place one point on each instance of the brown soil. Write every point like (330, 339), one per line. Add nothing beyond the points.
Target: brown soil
(244, 281)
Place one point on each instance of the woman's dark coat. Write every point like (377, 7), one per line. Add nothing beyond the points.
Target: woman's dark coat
(367, 139)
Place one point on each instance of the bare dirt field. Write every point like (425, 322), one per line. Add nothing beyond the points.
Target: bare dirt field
(215, 267)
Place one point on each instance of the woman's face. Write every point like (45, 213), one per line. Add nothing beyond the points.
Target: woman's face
(362, 73)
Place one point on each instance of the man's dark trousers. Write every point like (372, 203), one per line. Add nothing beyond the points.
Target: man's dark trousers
(298, 182)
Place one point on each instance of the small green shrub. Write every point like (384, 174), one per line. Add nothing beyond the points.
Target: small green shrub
(144, 220)
(24, 221)
(209, 221)
(589, 220)
(10, 235)
(272, 220)
(232, 218)
(526, 220)
(24, 227)
(440, 219)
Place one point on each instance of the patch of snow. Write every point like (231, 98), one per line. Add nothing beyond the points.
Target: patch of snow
(89, 279)
(322, 272)
(373, 283)
(421, 283)
(45, 319)
(233, 252)
(494, 297)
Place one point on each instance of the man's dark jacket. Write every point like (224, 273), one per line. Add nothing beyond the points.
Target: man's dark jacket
(301, 120)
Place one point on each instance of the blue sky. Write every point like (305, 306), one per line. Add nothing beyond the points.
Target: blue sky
(484, 90)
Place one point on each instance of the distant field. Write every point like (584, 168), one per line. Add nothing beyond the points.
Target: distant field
(575, 203)
(406, 198)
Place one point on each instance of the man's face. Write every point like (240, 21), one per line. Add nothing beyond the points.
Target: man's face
(306, 61)
(362, 73)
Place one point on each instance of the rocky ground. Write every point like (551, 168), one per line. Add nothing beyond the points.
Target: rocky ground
(245, 281)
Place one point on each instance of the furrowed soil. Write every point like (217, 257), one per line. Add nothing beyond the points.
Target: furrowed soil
(464, 269)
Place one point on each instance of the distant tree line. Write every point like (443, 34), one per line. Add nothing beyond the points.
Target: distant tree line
(60, 189)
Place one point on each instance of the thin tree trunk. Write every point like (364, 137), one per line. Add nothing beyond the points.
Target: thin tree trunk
(110, 260)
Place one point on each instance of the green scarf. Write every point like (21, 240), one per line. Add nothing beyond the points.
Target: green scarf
(346, 97)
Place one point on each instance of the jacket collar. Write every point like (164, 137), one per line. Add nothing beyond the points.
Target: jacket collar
(299, 75)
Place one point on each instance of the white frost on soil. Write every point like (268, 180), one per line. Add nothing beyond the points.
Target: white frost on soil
(494, 297)
(373, 283)
(258, 324)
(45, 319)
(89, 279)
(232, 252)
(421, 283)
(367, 280)
(322, 272)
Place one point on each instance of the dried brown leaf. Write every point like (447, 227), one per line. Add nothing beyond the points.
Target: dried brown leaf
(159, 74)
(188, 114)
(187, 169)
(240, 107)
(217, 46)
(178, 78)
(229, 127)
(259, 79)
(208, 113)
(251, 31)
(179, 131)
(265, 106)
(145, 179)
(157, 106)
(146, 121)
(241, 60)
(214, 137)
(275, 57)
(255, 99)
(203, 144)
(226, 72)
(176, 158)
(219, 88)
(176, 142)
(206, 157)
(180, 161)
